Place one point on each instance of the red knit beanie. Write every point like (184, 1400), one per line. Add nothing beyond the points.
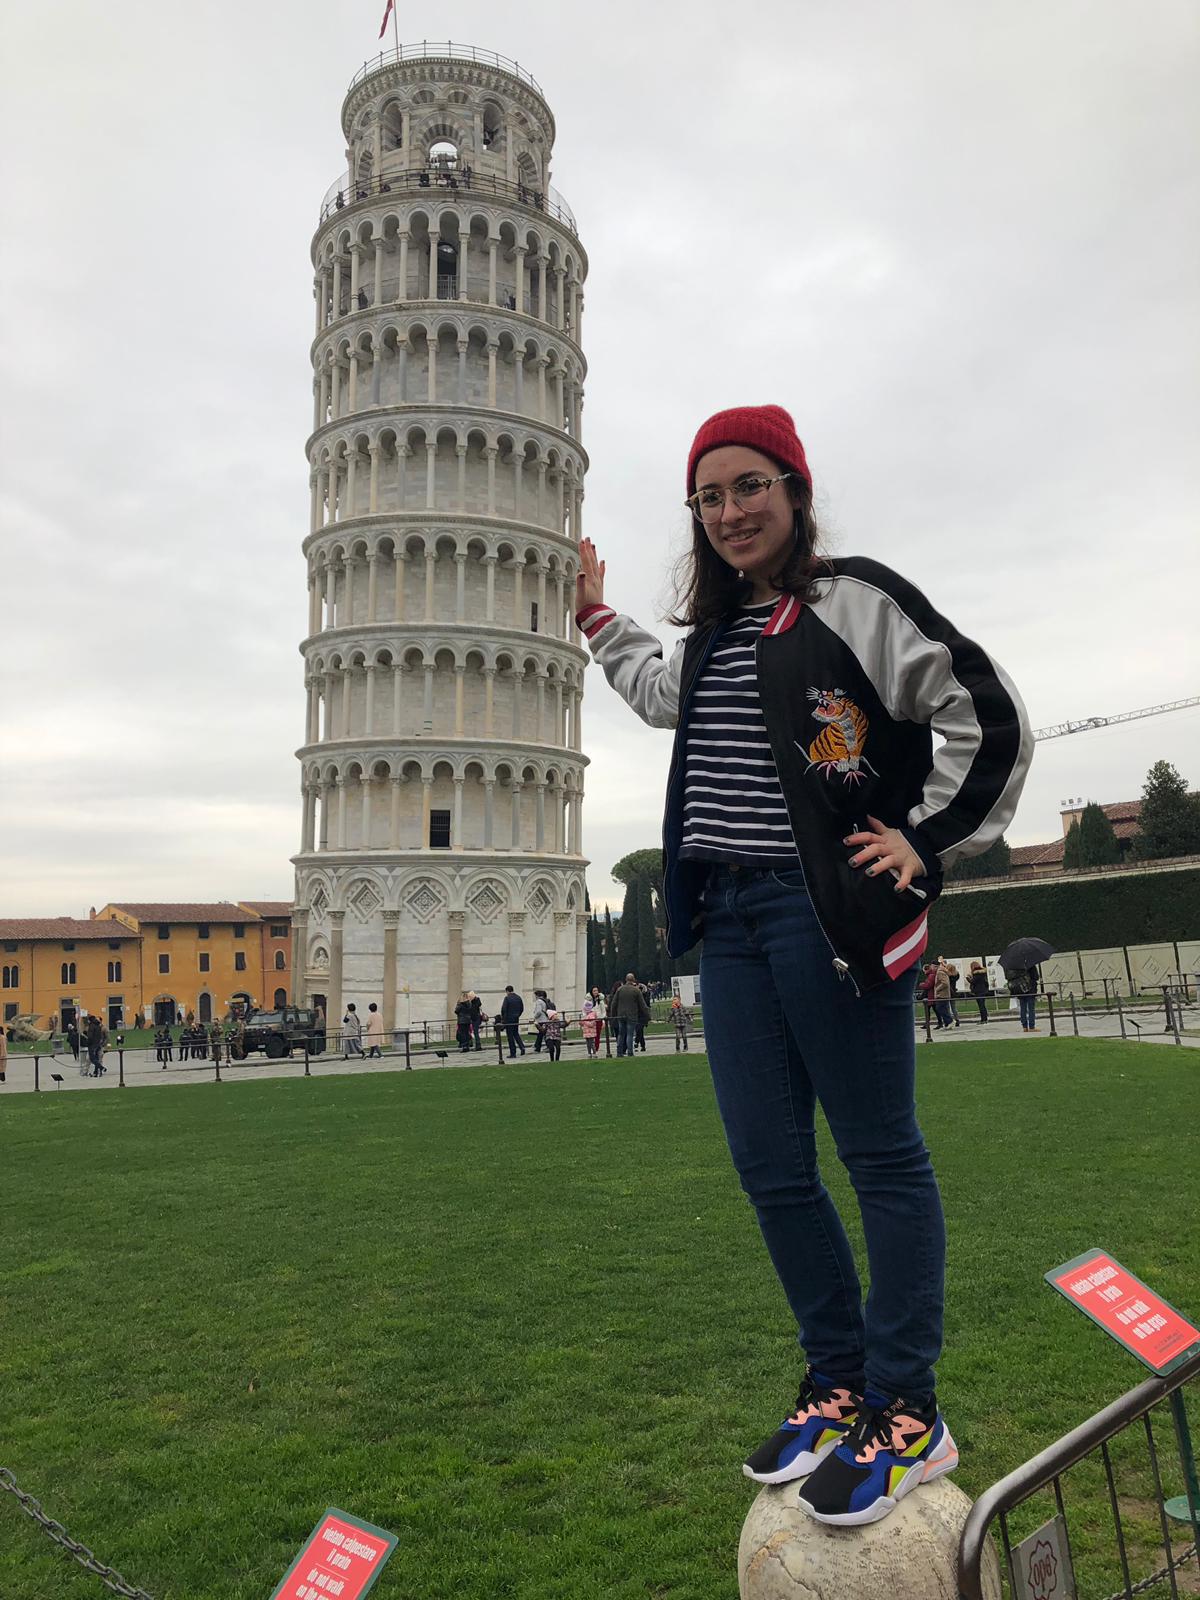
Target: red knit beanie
(766, 428)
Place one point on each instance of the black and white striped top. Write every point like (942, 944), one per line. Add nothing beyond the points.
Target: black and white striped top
(733, 805)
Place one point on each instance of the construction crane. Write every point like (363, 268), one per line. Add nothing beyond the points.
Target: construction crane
(1058, 729)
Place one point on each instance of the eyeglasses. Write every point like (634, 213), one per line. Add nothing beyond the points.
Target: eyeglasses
(749, 494)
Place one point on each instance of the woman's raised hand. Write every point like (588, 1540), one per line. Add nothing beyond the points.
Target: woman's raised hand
(589, 585)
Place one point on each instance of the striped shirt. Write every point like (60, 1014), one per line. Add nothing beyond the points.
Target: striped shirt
(733, 805)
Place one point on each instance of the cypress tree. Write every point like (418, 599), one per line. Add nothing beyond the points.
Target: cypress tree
(608, 965)
(628, 931)
(995, 862)
(1170, 819)
(1091, 841)
(647, 957)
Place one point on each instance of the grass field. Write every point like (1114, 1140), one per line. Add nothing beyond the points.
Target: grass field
(520, 1317)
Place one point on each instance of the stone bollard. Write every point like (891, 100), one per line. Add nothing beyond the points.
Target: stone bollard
(912, 1554)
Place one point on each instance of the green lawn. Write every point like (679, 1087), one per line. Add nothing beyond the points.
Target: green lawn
(520, 1317)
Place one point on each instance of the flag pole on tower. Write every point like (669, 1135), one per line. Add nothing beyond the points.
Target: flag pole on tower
(391, 12)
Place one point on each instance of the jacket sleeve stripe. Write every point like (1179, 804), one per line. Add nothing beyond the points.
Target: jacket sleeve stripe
(924, 670)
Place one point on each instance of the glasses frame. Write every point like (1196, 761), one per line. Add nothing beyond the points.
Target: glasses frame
(693, 501)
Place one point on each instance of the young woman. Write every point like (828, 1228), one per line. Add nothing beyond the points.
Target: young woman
(808, 819)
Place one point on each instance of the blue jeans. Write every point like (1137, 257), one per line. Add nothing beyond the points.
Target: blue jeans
(626, 1036)
(1028, 1005)
(784, 1033)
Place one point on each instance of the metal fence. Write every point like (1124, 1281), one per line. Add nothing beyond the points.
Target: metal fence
(456, 181)
(1174, 1010)
(1093, 1444)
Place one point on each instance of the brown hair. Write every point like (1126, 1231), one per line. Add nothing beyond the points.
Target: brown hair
(708, 588)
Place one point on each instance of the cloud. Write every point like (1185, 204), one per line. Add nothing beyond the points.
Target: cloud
(960, 245)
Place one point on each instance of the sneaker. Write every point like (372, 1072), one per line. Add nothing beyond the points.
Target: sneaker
(824, 1415)
(890, 1450)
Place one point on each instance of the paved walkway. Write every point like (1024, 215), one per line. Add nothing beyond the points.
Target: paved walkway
(142, 1071)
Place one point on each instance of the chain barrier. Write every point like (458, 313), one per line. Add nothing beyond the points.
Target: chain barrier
(109, 1576)
(1156, 1578)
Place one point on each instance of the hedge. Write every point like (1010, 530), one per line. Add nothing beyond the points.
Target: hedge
(1072, 914)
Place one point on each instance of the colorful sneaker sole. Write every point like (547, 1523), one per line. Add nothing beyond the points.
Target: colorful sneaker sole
(943, 1458)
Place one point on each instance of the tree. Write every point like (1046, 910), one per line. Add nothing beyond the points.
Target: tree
(995, 862)
(646, 965)
(643, 864)
(608, 966)
(593, 950)
(1091, 842)
(629, 931)
(1170, 818)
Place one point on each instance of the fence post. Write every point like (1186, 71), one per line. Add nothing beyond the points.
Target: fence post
(607, 1038)
(499, 1045)
(1050, 1005)
(1121, 1018)
(121, 1068)
(928, 1030)
(1074, 1017)
(216, 1056)
(1172, 1013)
(37, 1082)
(407, 1050)
(307, 1073)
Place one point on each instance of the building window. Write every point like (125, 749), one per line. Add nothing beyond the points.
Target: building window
(10, 1010)
(205, 961)
(439, 830)
(239, 930)
(12, 977)
(13, 946)
(280, 998)
(114, 972)
(163, 931)
(280, 961)
(114, 944)
(279, 930)
(239, 961)
(68, 972)
(533, 617)
(202, 930)
(164, 964)
(70, 945)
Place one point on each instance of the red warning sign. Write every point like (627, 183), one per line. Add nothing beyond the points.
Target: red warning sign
(1127, 1309)
(340, 1560)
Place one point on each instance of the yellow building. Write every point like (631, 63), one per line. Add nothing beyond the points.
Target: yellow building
(54, 967)
(158, 960)
(205, 958)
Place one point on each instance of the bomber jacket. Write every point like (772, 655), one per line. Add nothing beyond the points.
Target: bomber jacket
(854, 681)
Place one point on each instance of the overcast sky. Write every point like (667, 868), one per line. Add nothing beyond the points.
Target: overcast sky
(958, 242)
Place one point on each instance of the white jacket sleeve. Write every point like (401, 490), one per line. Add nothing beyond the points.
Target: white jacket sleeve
(632, 661)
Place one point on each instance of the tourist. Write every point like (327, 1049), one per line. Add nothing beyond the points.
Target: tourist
(351, 1032)
(462, 1016)
(554, 1034)
(807, 859)
(511, 1008)
(71, 1034)
(478, 1017)
(640, 1036)
(374, 1031)
(589, 1026)
(97, 1043)
(977, 978)
(540, 1008)
(681, 1017)
(1023, 983)
(629, 1011)
(941, 993)
(954, 977)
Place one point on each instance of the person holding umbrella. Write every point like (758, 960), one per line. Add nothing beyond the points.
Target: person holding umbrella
(1020, 963)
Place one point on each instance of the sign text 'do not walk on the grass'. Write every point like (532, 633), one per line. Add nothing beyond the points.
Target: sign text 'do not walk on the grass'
(340, 1560)
(1127, 1309)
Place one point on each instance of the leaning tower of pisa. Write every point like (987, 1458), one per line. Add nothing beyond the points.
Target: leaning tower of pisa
(442, 769)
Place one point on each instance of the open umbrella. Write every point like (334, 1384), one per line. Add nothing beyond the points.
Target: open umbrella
(1023, 953)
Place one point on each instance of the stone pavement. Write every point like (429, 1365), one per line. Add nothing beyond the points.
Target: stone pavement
(142, 1071)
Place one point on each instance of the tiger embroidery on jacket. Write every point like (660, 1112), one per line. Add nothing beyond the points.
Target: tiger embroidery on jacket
(839, 745)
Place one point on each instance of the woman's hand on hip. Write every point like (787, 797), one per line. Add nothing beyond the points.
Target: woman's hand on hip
(886, 849)
(589, 585)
